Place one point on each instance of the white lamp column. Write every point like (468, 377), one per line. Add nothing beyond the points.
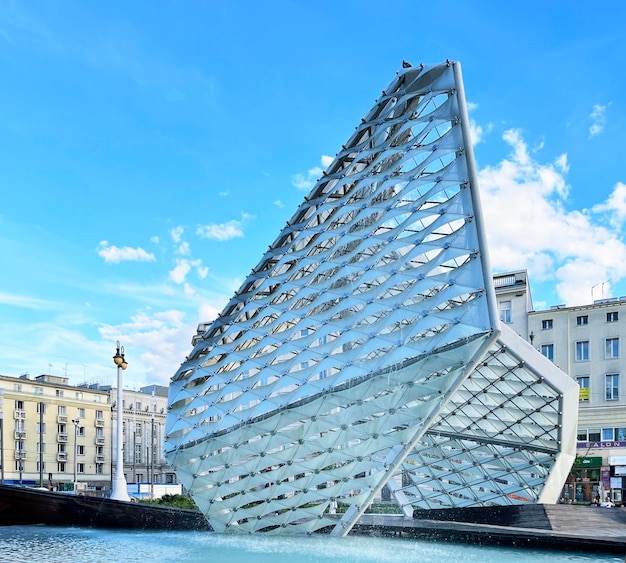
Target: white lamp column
(120, 490)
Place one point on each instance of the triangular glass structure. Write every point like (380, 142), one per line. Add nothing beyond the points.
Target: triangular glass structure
(344, 344)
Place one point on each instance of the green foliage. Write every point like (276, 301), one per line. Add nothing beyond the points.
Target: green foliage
(173, 501)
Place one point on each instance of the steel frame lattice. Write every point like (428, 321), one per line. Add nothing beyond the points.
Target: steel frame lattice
(340, 351)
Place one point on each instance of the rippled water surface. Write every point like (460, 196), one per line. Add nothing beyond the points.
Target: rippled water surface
(33, 544)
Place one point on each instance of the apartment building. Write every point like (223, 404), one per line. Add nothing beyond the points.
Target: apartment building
(586, 343)
(54, 434)
(143, 423)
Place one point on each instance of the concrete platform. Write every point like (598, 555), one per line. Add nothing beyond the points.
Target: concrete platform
(565, 527)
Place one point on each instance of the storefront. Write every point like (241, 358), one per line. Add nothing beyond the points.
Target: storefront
(617, 465)
(587, 478)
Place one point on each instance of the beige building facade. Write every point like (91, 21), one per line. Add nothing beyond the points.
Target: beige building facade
(586, 342)
(55, 435)
(143, 417)
(63, 437)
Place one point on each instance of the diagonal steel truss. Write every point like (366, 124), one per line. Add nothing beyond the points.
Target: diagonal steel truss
(360, 325)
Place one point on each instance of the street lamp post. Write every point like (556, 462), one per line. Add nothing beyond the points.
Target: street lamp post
(120, 489)
(75, 422)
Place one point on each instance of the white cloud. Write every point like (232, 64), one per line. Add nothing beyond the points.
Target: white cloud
(223, 231)
(278, 204)
(183, 266)
(155, 344)
(477, 131)
(180, 271)
(223, 194)
(598, 120)
(184, 249)
(26, 302)
(327, 160)
(614, 206)
(115, 254)
(177, 234)
(528, 225)
(308, 180)
(154, 239)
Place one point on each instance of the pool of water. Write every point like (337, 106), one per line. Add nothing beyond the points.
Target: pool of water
(35, 544)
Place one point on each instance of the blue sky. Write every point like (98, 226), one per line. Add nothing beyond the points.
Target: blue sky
(151, 151)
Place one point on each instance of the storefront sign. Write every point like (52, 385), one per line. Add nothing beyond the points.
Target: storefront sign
(620, 470)
(617, 460)
(583, 394)
(588, 462)
(594, 445)
(606, 479)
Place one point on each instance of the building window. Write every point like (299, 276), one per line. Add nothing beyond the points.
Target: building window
(41, 466)
(612, 317)
(583, 384)
(59, 392)
(38, 391)
(80, 467)
(41, 428)
(546, 324)
(62, 410)
(79, 395)
(614, 434)
(99, 468)
(81, 431)
(99, 415)
(80, 450)
(548, 351)
(41, 408)
(505, 311)
(582, 320)
(582, 351)
(594, 434)
(41, 448)
(611, 348)
(81, 413)
(61, 467)
(612, 386)
(607, 434)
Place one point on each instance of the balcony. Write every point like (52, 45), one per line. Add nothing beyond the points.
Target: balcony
(19, 414)
(99, 422)
(62, 419)
(100, 441)
(19, 435)
(99, 459)
(61, 456)
(62, 437)
(20, 455)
